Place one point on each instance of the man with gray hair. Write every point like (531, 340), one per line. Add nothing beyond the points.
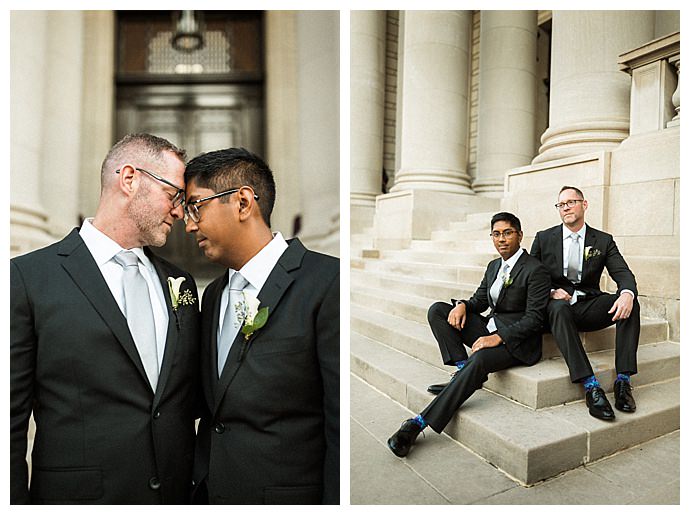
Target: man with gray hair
(104, 346)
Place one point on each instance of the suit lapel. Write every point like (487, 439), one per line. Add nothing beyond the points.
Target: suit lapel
(172, 334)
(514, 272)
(84, 271)
(557, 239)
(494, 268)
(277, 283)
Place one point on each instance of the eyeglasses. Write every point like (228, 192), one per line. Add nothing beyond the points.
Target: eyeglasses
(177, 199)
(191, 209)
(569, 203)
(508, 233)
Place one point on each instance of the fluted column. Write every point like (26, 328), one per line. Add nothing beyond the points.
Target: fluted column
(507, 96)
(589, 98)
(367, 89)
(434, 102)
(28, 218)
(319, 107)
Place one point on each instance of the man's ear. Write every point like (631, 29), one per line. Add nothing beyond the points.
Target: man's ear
(127, 182)
(247, 203)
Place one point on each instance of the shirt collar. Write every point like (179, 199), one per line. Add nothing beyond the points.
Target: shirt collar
(258, 268)
(103, 248)
(513, 259)
(567, 232)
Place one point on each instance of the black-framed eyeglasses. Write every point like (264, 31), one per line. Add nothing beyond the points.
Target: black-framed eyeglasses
(508, 233)
(177, 199)
(191, 209)
(569, 203)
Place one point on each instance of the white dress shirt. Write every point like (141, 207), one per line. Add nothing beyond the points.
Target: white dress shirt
(255, 271)
(567, 241)
(491, 326)
(103, 249)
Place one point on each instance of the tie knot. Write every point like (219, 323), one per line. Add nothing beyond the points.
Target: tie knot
(126, 258)
(575, 236)
(238, 282)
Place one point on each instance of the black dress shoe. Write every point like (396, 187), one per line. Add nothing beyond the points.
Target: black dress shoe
(622, 390)
(598, 404)
(404, 437)
(435, 389)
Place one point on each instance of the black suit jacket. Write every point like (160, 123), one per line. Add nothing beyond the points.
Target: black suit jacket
(548, 248)
(271, 434)
(520, 309)
(102, 436)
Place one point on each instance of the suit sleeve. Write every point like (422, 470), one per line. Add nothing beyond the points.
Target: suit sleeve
(328, 349)
(538, 289)
(22, 369)
(618, 269)
(479, 302)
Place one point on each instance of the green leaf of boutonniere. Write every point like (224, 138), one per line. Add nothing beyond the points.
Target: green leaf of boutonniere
(257, 323)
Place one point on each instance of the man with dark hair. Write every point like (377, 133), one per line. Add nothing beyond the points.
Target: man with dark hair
(575, 255)
(270, 353)
(104, 346)
(516, 288)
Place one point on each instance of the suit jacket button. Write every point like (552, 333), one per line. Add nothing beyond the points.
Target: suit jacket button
(154, 483)
(220, 428)
(157, 414)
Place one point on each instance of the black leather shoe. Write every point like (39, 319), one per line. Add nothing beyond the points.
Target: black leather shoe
(438, 388)
(404, 437)
(598, 404)
(622, 390)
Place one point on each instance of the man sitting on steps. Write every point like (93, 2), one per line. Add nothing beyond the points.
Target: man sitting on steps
(575, 255)
(516, 288)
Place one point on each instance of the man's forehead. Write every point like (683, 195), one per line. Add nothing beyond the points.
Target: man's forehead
(193, 191)
(569, 193)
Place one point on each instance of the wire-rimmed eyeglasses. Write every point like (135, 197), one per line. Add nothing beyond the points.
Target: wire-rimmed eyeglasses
(191, 209)
(176, 199)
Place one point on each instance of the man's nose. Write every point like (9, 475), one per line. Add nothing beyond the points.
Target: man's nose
(190, 225)
(178, 212)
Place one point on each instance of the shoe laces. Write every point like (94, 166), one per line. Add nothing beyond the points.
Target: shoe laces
(625, 386)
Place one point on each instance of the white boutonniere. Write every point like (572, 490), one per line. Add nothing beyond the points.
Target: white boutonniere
(507, 280)
(186, 298)
(249, 315)
(590, 253)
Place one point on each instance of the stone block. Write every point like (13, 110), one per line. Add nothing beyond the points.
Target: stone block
(653, 213)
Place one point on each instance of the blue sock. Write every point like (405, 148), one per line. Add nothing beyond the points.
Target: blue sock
(460, 364)
(591, 382)
(623, 377)
(420, 421)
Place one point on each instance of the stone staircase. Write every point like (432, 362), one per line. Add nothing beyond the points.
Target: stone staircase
(530, 422)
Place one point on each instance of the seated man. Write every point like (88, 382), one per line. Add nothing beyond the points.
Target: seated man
(575, 255)
(516, 288)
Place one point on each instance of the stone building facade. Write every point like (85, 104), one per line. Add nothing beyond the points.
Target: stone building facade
(466, 113)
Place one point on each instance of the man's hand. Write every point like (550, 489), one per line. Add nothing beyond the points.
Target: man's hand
(622, 307)
(561, 294)
(457, 316)
(486, 341)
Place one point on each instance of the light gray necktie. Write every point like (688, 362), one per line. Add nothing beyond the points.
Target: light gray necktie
(231, 323)
(495, 289)
(139, 313)
(574, 257)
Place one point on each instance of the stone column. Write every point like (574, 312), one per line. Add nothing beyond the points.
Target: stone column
(61, 139)
(507, 96)
(367, 91)
(28, 218)
(435, 91)
(590, 98)
(319, 107)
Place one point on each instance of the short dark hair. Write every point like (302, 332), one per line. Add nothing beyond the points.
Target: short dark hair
(506, 217)
(134, 145)
(576, 190)
(222, 170)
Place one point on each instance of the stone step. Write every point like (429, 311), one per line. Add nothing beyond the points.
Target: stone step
(529, 445)
(462, 235)
(404, 311)
(439, 257)
(429, 289)
(481, 246)
(473, 222)
(544, 384)
(459, 273)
